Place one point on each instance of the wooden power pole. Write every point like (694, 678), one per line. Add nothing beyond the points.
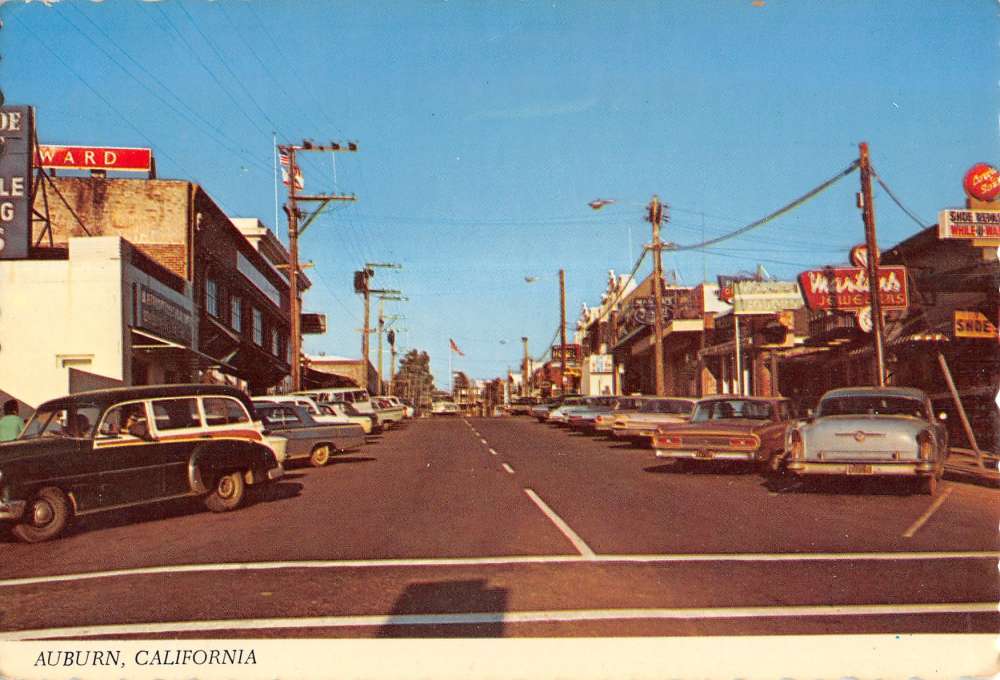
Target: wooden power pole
(562, 331)
(361, 279)
(871, 243)
(655, 217)
(525, 368)
(295, 230)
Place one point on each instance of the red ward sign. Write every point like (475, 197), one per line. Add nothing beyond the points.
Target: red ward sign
(846, 288)
(982, 182)
(93, 158)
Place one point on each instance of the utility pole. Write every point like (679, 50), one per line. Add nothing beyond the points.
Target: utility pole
(381, 329)
(871, 243)
(525, 368)
(295, 230)
(361, 287)
(562, 331)
(655, 217)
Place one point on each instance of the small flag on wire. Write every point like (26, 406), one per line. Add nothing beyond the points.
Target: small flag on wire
(455, 349)
(600, 203)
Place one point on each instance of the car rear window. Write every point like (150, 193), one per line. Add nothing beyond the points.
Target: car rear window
(224, 411)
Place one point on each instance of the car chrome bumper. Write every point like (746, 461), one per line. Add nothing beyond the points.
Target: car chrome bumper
(276, 472)
(910, 469)
(12, 509)
(681, 454)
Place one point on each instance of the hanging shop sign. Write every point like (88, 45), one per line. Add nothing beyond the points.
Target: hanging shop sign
(982, 182)
(93, 158)
(164, 317)
(677, 303)
(765, 297)
(846, 288)
(16, 128)
(969, 224)
(726, 285)
(974, 325)
(859, 255)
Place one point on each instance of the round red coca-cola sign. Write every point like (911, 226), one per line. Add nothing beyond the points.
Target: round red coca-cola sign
(982, 182)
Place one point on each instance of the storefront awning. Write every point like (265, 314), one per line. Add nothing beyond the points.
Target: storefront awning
(168, 351)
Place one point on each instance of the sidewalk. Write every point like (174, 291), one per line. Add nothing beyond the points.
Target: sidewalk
(961, 467)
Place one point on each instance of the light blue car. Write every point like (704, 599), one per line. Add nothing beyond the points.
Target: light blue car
(871, 431)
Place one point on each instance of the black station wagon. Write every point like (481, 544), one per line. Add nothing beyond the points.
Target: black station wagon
(115, 448)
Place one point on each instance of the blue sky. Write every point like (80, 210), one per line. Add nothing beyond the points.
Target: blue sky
(485, 128)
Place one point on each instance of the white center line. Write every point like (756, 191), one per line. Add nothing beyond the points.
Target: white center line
(927, 515)
(507, 617)
(482, 440)
(493, 452)
(508, 468)
(509, 560)
(577, 542)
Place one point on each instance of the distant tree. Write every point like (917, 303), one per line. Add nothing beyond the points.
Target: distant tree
(414, 380)
(461, 380)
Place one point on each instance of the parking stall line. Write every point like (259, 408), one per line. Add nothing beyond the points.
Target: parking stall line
(993, 556)
(561, 524)
(504, 617)
(915, 527)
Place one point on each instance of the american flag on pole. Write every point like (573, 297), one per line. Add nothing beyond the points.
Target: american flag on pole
(455, 349)
(284, 160)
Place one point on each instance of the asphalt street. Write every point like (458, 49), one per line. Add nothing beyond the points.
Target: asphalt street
(507, 527)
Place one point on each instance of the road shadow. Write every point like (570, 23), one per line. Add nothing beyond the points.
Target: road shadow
(836, 486)
(447, 597)
(347, 459)
(683, 467)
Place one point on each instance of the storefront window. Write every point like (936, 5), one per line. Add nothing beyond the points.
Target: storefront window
(212, 297)
(236, 313)
(258, 327)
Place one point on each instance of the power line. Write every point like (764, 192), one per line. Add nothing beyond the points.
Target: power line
(898, 202)
(777, 213)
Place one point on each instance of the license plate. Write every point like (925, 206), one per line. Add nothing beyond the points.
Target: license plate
(858, 469)
(703, 454)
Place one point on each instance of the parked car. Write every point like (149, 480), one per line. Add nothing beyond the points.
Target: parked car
(308, 403)
(408, 410)
(541, 410)
(109, 449)
(871, 431)
(622, 406)
(389, 413)
(308, 438)
(557, 416)
(639, 427)
(444, 408)
(582, 418)
(338, 410)
(348, 409)
(521, 406)
(356, 396)
(748, 429)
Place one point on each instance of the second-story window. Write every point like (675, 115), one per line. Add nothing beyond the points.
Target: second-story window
(212, 297)
(236, 313)
(275, 342)
(258, 327)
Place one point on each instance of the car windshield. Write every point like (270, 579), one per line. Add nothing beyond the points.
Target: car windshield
(671, 406)
(627, 404)
(872, 405)
(725, 409)
(68, 421)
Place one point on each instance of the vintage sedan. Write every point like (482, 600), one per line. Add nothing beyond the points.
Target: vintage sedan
(582, 418)
(749, 429)
(623, 406)
(871, 431)
(308, 438)
(110, 449)
(640, 426)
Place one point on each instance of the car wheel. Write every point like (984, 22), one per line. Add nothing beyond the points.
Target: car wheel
(320, 456)
(227, 493)
(927, 485)
(46, 516)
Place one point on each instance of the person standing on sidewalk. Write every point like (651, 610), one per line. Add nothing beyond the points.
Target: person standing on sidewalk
(11, 423)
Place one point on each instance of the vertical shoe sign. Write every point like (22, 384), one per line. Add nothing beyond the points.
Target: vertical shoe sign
(15, 181)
